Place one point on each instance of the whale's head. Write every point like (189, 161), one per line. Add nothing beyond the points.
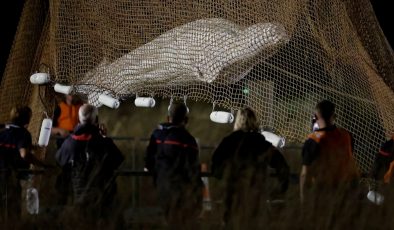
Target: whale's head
(263, 35)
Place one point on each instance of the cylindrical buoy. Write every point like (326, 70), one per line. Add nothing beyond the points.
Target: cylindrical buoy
(109, 101)
(221, 117)
(39, 78)
(64, 89)
(274, 139)
(147, 102)
(45, 132)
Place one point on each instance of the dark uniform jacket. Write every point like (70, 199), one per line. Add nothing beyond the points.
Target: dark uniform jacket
(172, 155)
(242, 161)
(12, 139)
(93, 160)
(241, 151)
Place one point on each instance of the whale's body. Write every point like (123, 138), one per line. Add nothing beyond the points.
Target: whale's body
(194, 52)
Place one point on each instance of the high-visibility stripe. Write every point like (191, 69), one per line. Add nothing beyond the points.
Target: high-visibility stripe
(10, 146)
(82, 137)
(169, 142)
(386, 154)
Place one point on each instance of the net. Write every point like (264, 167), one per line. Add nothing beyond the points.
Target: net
(278, 57)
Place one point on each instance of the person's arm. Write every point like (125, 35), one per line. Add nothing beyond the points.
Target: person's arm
(278, 162)
(303, 176)
(30, 158)
(115, 156)
(25, 146)
(193, 156)
(56, 115)
(309, 154)
(150, 154)
(219, 158)
(59, 131)
(55, 129)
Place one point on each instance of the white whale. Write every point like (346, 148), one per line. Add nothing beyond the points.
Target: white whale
(200, 51)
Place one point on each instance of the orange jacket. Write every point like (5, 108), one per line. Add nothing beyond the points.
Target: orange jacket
(68, 117)
(335, 163)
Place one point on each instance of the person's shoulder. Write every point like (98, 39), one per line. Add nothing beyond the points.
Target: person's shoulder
(187, 134)
(159, 130)
(315, 136)
(344, 132)
(24, 130)
(235, 134)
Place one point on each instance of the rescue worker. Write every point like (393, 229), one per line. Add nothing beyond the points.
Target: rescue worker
(384, 162)
(65, 118)
(64, 121)
(241, 160)
(172, 157)
(93, 160)
(15, 153)
(329, 175)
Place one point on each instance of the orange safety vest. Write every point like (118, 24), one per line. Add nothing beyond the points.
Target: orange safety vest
(68, 118)
(335, 164)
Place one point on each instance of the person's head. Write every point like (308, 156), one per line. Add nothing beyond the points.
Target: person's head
(177, 114)
(325, 112)
(246, 120)
(88, 114)
(21, 115)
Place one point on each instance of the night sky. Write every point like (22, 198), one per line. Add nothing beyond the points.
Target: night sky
(11, 10)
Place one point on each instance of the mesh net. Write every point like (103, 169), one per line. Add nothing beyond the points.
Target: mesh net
(278, 57)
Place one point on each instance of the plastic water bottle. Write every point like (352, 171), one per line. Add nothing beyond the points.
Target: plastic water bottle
(375, 197)
(32, 201)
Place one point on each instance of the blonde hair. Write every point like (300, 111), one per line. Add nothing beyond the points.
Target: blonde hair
(20, 115)
(246, 120)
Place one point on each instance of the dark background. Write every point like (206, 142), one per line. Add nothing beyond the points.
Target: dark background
(11, 11)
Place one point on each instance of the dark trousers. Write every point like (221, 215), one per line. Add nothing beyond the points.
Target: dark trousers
(10, 198)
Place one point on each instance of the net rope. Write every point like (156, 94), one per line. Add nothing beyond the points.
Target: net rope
(279, 57)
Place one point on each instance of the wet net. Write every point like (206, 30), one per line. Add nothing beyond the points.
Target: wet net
(279, 57)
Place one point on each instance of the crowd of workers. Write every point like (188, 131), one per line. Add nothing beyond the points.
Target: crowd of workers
(88, 159)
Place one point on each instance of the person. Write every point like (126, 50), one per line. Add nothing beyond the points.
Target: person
(241, 160)
(65, 119)
(172, 157)
(329, 175)
(93, 160)
(383, 167)
(15, 154)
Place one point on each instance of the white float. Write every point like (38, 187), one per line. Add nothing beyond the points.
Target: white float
(39, 78)
(64, 89)
(274, 139)
(221, 117)
(109, 101)
(45, 132)
(375, 197)
(147, 102)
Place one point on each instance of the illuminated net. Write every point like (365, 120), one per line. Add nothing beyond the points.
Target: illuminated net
(278, 57)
